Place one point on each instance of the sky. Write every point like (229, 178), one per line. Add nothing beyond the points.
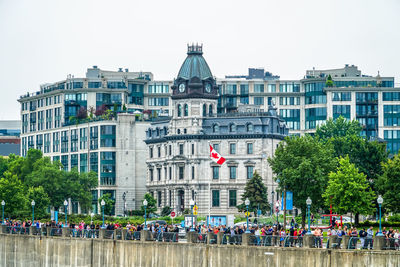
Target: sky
(44, 41)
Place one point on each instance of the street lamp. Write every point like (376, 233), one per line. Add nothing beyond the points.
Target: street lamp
(3, 203)
(380, 201)
(145, 215)
(65, 211)
(191, 203)
(91, 218)
(33, 211)
(277, 213)
(247, 203)
(272, 203)
(308, 202)
(103, 203)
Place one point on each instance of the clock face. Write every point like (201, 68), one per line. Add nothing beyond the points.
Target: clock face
(208, 87)
(182, 87)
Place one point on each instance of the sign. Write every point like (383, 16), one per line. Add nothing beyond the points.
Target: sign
(247, 213)
(289, 201)
(195, 208)
(190, 220)
(195, 212)
(173, 214)
(216, 220)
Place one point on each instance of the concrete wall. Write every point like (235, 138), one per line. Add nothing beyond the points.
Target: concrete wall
(56, 251)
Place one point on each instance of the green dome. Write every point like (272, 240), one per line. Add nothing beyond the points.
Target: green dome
(194, 65)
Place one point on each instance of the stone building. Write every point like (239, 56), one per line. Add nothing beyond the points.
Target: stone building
(179, 167)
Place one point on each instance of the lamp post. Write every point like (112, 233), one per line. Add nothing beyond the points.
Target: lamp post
(3, 203)
(247, 203)
(308, 202)
(91, 218)
(33, 211)
(380, 201)
(66, 211)
(102, 203)
(277, 212)
(191, 203)
(272, 203)
(145, 215)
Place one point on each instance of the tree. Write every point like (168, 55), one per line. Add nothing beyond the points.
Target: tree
(13, 193)
(338, 128)
(389, 183)
(151, 204)
(101, 110)
(109, 203)
(329, 81)
(256, 192)
(166, 211)
(349, 190)
(302, 165)
(42, 201)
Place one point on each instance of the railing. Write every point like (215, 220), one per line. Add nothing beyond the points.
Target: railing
(17, 230)
(109, 234)
(84, 233)
(392, 244)
(166, 237)
(231, 239)
(132, 235)
(202, 238)
(56, 231)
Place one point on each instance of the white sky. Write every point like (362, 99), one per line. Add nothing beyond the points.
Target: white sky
(44, 41)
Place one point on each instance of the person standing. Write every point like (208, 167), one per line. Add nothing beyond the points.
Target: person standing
(369, 238)
(363, 235)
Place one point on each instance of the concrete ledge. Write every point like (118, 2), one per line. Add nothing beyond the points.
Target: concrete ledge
(32, 251)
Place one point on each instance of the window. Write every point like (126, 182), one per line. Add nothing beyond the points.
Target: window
(216, 147)
(249, 148)
(232, 198)
(271, 88)
(186, 111)
(258, 88)
(170, 150)
(210, 110)
(232, 172)
(83, 162)
(204, 110)
(180, 149)
(249, 127)
(159, 151)
(151, 175)
(193, 172)
(258, 100)
(232, 148)
(192, 149)
(159, 198)
(159, 174)
(250, 171)
(215, 128)
(94, 160)
(232, 127)
(215, 172)
(151, 152)
(179, 110)
(181, 172)
(64, 162)
(170, 173)
(215, 198)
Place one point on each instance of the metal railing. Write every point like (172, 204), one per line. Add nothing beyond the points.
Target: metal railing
(109, 234)
(132, 235)
(17, 230)
(231, 239)
(202, 238)
(392, 244)
(56, 231)
(84, 233)
(166, 237)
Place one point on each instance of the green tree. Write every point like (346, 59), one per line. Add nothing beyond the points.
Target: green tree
(338, 128)
(301, 165)
(12, 191)
(166, 211)
(256, 192)
(389, 183)
(42, 201)
(349, 190)
(109, 203)
(151, 204)
(329, 81)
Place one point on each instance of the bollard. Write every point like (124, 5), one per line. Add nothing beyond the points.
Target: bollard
(4, 228)
(308, 241)
(65, 232)
(379, 243)
(48, 231)
(220, 236)
(32, 230)
(145, 235)
(345, 241)
(102, 233)
(123, 234)
(245, 239)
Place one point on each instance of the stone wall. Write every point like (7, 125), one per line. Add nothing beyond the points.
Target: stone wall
(20, 250)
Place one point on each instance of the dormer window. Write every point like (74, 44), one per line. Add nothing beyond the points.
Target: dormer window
(249, 127)
(232, 128)
(204, 110)
(186, 110)
(179, 111)
(215, 128)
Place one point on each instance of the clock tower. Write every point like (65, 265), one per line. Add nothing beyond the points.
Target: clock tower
(194, 93)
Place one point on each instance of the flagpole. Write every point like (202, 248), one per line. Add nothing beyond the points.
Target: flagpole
(209, 193)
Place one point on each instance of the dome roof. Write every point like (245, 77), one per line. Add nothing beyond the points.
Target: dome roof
(194, 65)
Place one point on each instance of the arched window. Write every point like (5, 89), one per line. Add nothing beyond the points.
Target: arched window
(179, 131)
(165, 131)
(149, 131)
(215, 128)
(158, 132)
(179, 111)
(184, 131)
(210, 110)
(204, 110)
(232, 128)
(186, 110)
(249, 127)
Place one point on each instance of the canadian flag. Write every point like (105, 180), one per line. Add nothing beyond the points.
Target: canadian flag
(216, 157)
